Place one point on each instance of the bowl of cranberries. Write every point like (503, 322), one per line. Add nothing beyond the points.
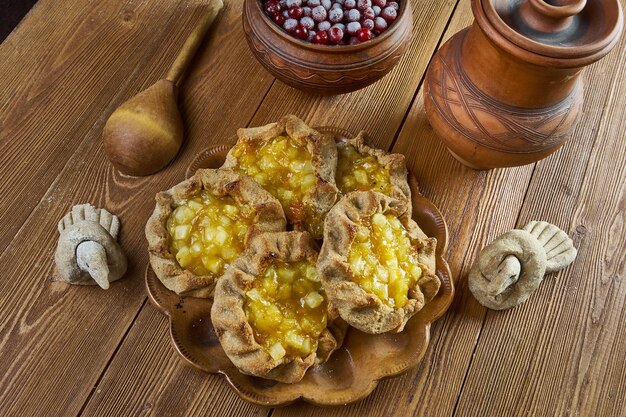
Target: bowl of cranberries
(328, 46)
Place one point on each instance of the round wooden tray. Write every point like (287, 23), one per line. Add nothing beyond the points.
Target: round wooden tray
(354, 370)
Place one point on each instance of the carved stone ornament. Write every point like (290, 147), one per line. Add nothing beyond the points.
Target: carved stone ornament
(87, 252)
(511, 268)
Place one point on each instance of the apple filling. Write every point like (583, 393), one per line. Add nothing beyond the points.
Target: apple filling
(283, 167)
(384, 260)
(286, 308)
(208, 232)
(358, 172)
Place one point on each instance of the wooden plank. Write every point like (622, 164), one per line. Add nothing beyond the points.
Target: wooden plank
(65, 63)
(476, 210)
(563, 352)
(60, 338)
(359, 111)
(147, 377)
(380, 108)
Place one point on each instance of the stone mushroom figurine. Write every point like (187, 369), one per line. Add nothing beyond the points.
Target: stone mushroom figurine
(511, 268)
(87, 251)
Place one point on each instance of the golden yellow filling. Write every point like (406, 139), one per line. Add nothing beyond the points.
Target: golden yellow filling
(208, 232)
(286, 308)
(384, 260)
(358, 172)
(282, 166)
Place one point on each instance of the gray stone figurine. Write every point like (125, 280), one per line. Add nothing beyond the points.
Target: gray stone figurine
(87, 252)
(511, 267)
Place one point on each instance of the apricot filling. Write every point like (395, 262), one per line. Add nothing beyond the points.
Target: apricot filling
(286, 308)
(208, 232)
(383, 259)
(358, 172)
(282, 165)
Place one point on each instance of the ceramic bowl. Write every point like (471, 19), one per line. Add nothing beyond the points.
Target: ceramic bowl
(325, 69)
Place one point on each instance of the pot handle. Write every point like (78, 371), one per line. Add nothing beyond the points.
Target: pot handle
(550, 16)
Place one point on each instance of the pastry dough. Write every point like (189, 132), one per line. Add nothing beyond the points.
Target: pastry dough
(400, 263)
(264, 214)
(363, 168)
(238, 326)
(295, 163)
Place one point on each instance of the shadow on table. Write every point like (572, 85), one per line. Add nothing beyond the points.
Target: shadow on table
(11, 13)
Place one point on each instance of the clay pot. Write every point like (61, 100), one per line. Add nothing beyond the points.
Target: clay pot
(325, 69)
(508, 90)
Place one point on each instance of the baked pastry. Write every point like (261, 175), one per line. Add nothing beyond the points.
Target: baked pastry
(270, 311)
(201, 225)
(376, 264)
(362, 168)
(295, 163)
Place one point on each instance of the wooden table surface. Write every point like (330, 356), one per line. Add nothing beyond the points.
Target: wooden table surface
(70, 351)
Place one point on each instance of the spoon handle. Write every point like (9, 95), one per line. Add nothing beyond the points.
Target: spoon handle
(193, 41)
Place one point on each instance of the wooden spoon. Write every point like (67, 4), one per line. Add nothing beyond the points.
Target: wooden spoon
(145, 133)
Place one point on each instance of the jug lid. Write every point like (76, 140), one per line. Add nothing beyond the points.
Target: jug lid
(578, 31)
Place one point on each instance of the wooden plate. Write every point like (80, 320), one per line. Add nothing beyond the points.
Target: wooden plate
(354, 370)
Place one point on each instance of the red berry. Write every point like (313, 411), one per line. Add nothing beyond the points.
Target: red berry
(394, 4)
(349, 4)
(307, 23)
(363, 4)
(353, 28)
(272, 8)
(389, 14)
(296, 12)
(300, 32)
(324, 26)
(321, 37)
(279, 19)
(380, 24)
(306, 11)
(379, 3)
(290, 25)
(335, 34)
(335, 15)
(364, 35)
(327, 4)
(352, 15)
(313, 3)
(368, 13)
(353, 40)
(294, 3)
(319, 14)
(368, 24)
(310, 35)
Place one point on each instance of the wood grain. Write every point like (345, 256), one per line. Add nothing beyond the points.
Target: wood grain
(476, 210)
(146, 378)
(82, 351)
(378, 109)
(279, 101)
(51, 324)
(570, 333)
(76, 58)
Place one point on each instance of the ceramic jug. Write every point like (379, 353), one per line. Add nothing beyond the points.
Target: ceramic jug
(508, 90)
